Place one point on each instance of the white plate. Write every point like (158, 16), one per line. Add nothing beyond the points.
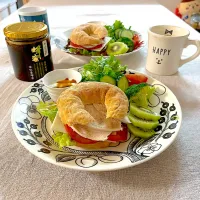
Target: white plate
(33, 132)
(61, 43)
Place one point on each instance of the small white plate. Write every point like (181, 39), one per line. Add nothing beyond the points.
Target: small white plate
(34, 133)
(61, 43)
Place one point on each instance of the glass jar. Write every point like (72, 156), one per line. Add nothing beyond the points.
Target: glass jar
(195, 21)
(30, 50)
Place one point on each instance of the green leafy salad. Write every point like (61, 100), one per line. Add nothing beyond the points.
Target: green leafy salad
(123, 40)
(101, 67)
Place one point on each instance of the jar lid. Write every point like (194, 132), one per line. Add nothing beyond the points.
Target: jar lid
(25, 30)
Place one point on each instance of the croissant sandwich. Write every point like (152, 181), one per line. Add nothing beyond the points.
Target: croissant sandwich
(92, 113)
(90, 37)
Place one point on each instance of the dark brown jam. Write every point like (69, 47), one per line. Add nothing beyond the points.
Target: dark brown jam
(31, 60)
(30, 50)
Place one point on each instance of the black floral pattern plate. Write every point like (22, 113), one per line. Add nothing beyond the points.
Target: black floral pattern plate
(34, 133)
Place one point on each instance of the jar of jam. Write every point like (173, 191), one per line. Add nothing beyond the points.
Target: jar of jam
(29, 48)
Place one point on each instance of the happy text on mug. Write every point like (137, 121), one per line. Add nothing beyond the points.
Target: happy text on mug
(161, 51)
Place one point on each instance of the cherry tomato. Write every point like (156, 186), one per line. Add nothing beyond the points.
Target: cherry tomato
(119, 136)
(136, 78)
(75, 136)
(136, 39)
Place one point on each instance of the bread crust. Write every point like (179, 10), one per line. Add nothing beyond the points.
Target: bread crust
(71, 103)
(88, 34)
(98, 145)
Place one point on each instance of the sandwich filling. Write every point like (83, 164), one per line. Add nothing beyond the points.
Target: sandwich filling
(96, 47)
(99, 130)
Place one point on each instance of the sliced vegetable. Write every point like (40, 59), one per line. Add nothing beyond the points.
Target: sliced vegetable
(136, 39)
(134, 89)
(122, 83)
(48, 109)
(117, 32)
(140, 94)
(111, 29)
(127, 33)
(142, 97)
(136, 78)
(128, 42)
(119, 136)
(63, 139)
(75, 136)
(108, 79)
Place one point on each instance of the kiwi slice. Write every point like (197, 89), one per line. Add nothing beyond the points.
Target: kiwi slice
(143, 113)
(116, 48)
(141, 123)
(139, 132)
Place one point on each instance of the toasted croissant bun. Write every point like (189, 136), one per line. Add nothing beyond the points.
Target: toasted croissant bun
(98, 145)
(88, 34)
(71, 102)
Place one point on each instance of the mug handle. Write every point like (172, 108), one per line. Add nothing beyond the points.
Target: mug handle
(197, 53)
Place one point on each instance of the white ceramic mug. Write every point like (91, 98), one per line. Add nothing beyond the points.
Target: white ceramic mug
(165, 47)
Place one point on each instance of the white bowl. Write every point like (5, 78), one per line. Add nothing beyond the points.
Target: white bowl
(57, 75)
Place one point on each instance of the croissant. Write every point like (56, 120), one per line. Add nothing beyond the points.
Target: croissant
(71, 103)
(88, 34)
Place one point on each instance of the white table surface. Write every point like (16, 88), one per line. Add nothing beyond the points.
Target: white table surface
(175, 174)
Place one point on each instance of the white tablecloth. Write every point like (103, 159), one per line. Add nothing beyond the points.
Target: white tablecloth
(173, 175)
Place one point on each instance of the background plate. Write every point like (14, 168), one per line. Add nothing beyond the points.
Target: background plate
(61, 42)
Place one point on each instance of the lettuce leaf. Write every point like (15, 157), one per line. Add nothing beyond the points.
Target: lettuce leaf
(48, 109)
(101, 66)
(84, 52)
(63, 139)
(111, 29)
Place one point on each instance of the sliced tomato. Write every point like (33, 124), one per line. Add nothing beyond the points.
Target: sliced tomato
(74, 45)
(136, 78)
(136, 39)
(91, 48)
(75, 136)
(95, 47)
(119, 136)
